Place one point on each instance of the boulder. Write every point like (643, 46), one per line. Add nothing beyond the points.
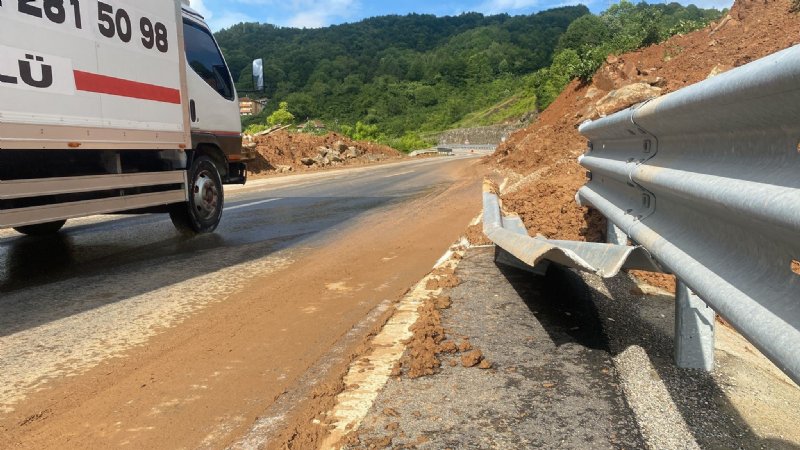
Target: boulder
(308, 161)
(284, 169)
(624, 97)
(323, 151)
(335, 157)
(322, 161)
(718, 69)
(352, 153)
(593, 92)
(339, 146)
(655, 81)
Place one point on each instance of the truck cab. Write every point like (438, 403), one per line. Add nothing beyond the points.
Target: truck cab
(213, 102)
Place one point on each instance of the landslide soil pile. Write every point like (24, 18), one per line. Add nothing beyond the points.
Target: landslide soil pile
(282, 152)
(542, 159)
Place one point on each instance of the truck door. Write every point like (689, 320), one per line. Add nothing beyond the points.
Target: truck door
(213, 104)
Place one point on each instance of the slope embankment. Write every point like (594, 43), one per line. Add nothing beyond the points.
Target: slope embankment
(541, 160)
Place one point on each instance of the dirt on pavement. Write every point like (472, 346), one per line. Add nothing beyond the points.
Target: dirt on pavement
(552, 144)
(205, 383)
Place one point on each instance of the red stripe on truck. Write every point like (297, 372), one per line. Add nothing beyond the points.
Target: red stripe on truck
(101, 84)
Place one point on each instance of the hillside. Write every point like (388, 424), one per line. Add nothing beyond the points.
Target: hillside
(404, 73)
(549, 148)
(414, 75)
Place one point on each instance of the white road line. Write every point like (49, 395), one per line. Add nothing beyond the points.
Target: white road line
(247, 205)
(398, 174)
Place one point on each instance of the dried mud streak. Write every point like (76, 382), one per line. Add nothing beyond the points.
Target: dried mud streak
(547, 205)
(204, 383)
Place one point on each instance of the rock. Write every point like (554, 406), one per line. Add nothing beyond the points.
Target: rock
(472, 358)
(340, 146)
(592, 92)
(629, 71)
(624, 97)
(308, 161)
(655, 81)
(335, 157)
(324, 162)
(251, 145)
(323, 151)
(284, 169)
(485, 365)
(352, 153)
(718, 69)
(612, 59)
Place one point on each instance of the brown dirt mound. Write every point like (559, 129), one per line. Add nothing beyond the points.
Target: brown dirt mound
(420, 358)
(282, 149)
(752, 30)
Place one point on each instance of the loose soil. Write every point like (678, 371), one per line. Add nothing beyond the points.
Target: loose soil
(429, 343)
(552, 144)
(282, 149)
(475, 235)
(205, 383)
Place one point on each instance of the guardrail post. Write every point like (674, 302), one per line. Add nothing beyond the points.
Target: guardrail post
(615, 235)
(694, 330)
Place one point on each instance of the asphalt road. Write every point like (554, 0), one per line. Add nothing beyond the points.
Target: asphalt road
(276, 212)
(109, 285)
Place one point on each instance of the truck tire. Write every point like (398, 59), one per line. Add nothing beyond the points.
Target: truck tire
(203, 211)
(41, 229)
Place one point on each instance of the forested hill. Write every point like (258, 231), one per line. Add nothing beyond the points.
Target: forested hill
(406, 48)
(377, 68)
(402, 75)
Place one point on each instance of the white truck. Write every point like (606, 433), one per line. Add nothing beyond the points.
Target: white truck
(111, 106)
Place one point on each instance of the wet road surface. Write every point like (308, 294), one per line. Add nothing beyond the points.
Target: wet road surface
(82, 312)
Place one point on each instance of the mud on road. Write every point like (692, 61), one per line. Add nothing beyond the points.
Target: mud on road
(203, 381)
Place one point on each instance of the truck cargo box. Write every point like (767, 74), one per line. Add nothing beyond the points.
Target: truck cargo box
(89, 74)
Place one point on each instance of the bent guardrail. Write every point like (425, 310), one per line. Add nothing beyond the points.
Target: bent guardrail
(707, 179)
(510, 235)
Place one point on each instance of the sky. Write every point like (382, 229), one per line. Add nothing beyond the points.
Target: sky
(320, 13)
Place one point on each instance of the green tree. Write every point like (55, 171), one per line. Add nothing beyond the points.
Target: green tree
(282, 116)
(586, 31)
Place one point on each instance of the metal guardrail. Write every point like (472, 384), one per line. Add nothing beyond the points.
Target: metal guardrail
(707, 179)
(523, 251)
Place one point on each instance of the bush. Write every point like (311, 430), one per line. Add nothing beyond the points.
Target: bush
(255, 128)
(282, 116)
(409, 142)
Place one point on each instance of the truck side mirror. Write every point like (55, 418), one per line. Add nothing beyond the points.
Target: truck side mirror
(258, 75)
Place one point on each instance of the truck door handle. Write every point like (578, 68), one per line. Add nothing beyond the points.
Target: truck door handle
(192, 111)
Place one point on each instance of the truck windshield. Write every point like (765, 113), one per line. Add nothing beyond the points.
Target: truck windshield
(205, 59)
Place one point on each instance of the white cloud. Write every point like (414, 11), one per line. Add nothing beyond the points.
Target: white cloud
(310, 19)
(308, 13)
(718, 4)
(502, 6)
(222, 19)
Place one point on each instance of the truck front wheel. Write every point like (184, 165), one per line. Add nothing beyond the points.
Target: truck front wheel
(41, 229)
(203, 211)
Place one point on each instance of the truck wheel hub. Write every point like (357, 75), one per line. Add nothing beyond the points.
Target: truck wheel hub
(206, 195)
